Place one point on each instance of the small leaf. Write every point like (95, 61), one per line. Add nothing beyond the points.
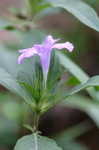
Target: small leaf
(36, 142)
(80, 10)
(28, 127)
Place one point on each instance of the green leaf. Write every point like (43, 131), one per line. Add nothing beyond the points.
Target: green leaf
(8, 75)
(36, 142)
(74, 132)
(35, 6)
(28, 127)
(93, 81)
(8, 129)
(84, 104)
(8, 60)
(72, 67)
(76, 71)
(55, 72)
(9, 82)
(30, 78)
(72, 145)
(66, 138)
(92, 2)
(11, 109)
(80, 10)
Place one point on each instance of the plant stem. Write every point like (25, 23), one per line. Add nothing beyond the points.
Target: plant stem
(36, 121)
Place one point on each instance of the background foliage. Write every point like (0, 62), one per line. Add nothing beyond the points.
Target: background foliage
(26, 22)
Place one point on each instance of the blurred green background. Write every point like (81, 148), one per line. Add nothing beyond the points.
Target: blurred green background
(70, 125)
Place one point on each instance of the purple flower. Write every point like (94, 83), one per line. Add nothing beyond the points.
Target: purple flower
(44, 51)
